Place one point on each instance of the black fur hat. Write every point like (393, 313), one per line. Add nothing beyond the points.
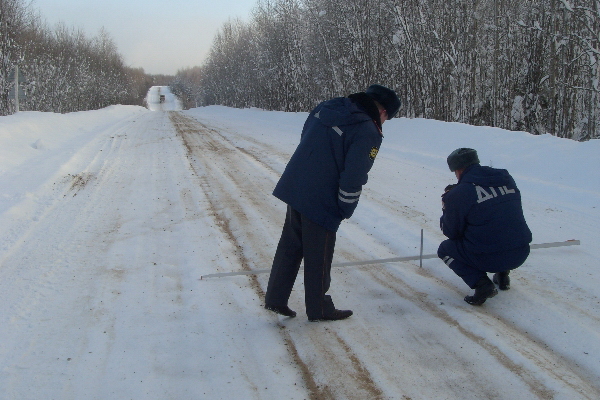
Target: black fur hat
(462, 158)
(386, 97)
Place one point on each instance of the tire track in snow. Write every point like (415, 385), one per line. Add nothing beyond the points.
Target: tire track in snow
(261, 152)
(560, 368)
(541, 372)
(537, 355)
(53, 276)
(534, 350)
(223, 186)
(420, 299)
(196, 141)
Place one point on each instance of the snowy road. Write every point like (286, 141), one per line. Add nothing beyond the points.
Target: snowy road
(101, 296)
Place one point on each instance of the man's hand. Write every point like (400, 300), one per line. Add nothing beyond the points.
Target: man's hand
(446, 190)
(449, 188)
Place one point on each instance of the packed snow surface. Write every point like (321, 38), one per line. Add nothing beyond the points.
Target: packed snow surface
(109, 218)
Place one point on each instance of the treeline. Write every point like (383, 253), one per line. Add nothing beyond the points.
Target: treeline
(516, 64)
(64, 70)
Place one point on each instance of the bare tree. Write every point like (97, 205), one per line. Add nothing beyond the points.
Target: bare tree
(12, 20)
(517, 64)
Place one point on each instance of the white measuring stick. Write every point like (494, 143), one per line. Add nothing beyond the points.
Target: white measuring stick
(384, 260)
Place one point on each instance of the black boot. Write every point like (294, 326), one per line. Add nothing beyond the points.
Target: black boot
(484, 289)
(335, 315)
(502, 280)
(282, 310)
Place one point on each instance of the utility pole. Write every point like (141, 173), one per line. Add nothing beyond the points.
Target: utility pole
(16, 89)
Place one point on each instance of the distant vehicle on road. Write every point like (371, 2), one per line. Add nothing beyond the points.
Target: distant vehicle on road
(162, 98)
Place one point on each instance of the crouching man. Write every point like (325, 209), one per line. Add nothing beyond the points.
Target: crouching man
(483, 220)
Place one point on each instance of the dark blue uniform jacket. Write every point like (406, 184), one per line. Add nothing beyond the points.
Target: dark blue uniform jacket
(484, 211)
(324, 178)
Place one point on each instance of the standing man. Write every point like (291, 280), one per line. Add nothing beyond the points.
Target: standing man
(321, 185)
(483, 220)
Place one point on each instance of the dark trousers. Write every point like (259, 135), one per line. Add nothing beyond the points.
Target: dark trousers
(472, 267)
(302, 239)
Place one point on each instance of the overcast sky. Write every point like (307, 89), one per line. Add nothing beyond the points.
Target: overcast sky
(160, 36)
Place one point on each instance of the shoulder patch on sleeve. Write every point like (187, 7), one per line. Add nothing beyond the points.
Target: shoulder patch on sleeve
(373, 153)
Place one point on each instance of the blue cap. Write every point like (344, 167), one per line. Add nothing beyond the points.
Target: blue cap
(386, 97)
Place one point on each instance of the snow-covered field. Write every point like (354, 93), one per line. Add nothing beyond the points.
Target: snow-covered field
(109, 218)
